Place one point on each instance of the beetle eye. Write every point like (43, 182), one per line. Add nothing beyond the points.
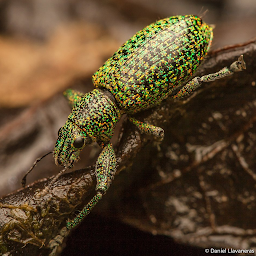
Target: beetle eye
(78, 142)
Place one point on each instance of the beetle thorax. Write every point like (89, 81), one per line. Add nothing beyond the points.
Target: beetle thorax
(96, 115)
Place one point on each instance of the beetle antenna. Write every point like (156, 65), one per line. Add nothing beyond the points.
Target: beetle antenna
(24, 179)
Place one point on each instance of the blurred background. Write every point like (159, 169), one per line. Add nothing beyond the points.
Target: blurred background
(45, 42)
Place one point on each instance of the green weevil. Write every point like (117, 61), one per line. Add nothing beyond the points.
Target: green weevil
(157, 62)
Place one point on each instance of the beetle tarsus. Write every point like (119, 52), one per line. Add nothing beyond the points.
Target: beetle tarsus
(238, 65)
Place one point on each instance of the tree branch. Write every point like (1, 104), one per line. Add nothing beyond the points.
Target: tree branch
(29, 225)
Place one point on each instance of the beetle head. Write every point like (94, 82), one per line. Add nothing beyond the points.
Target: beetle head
(71, 140)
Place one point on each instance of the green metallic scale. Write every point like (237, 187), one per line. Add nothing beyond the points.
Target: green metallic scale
(155, 63)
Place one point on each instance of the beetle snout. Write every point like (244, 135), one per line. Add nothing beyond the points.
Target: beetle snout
(67, 164)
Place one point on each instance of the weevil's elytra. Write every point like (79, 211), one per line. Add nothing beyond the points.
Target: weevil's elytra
(154, 64)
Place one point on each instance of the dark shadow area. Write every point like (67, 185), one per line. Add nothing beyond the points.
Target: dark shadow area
(102, 236)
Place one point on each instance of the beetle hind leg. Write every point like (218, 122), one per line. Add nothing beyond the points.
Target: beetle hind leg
(196, 82)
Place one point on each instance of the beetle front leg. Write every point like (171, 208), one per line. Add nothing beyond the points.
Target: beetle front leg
(148, 128)
(196, 82)
(105, 172)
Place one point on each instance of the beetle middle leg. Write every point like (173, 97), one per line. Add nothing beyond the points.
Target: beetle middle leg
(148, 128)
